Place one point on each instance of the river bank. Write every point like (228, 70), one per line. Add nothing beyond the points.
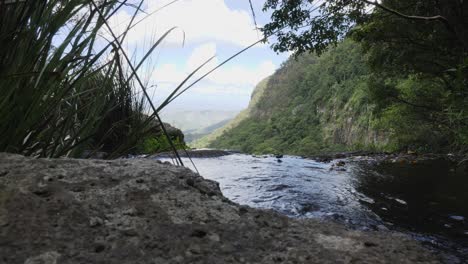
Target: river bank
(194, 153)
(423, 196)
(144, 211)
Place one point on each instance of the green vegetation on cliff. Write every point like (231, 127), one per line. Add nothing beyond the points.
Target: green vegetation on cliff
(310, 105)
(256, 95)
(391, 77)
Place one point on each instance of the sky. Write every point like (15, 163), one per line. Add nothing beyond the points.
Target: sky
(203, 28)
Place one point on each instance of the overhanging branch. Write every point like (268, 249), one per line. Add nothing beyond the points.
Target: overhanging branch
(439, 18)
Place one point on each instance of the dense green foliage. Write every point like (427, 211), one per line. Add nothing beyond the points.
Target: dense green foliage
(309, 105)
(65, 89)
(404, 84)
(256, 95)
(154, 144)
(59, 94)
(312, 25)
(419, 74)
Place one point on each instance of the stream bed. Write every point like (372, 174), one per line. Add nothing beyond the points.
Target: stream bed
(426, 201)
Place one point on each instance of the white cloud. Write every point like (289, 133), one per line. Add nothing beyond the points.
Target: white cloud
(207, 24)
(200, 55)
(236, 79)
(242, 75)
(201, 20)
(229, 75)
(168, 73)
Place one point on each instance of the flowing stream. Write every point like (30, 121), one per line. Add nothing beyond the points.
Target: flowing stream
(426, 202)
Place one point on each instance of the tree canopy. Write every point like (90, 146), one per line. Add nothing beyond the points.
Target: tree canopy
(391, 74)
(314, 24)
(417, 51)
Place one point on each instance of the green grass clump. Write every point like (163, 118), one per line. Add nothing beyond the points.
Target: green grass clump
(64, 89)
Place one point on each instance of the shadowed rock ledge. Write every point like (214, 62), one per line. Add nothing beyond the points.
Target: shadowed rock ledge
(197, 153)
(140, 211)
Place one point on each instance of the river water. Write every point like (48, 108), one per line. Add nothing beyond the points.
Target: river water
(428, 202)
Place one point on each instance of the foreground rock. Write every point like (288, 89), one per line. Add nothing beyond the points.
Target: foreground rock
(140, 211)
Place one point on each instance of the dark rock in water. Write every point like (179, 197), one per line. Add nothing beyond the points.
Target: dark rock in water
(340, 163)
(196, 153)
(339, 166)
(329, 157)
(279, 187)
(279, 156)
(170, 215)
(279, 161)
(340, 156)
(324, 159)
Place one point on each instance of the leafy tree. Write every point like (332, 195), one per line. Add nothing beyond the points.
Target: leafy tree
(314, 24)
(417, 52)
(420, 76)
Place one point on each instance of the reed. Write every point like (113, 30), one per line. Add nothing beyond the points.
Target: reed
(64, 89)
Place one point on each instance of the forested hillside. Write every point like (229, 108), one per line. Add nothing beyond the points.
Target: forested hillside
(309, 105)
(385, 81)
(256, 95)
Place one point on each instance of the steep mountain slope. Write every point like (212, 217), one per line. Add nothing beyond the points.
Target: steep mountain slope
(194, 134)
(309, 105)
(196, 124)
(196, 119)
(245, 114)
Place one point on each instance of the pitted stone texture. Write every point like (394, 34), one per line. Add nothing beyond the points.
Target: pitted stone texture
(140, 211)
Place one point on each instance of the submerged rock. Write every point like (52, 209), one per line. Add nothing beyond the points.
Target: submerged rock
(140, 211)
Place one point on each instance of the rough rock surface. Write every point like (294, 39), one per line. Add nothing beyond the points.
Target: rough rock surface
(140, 211)
(172, 131)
